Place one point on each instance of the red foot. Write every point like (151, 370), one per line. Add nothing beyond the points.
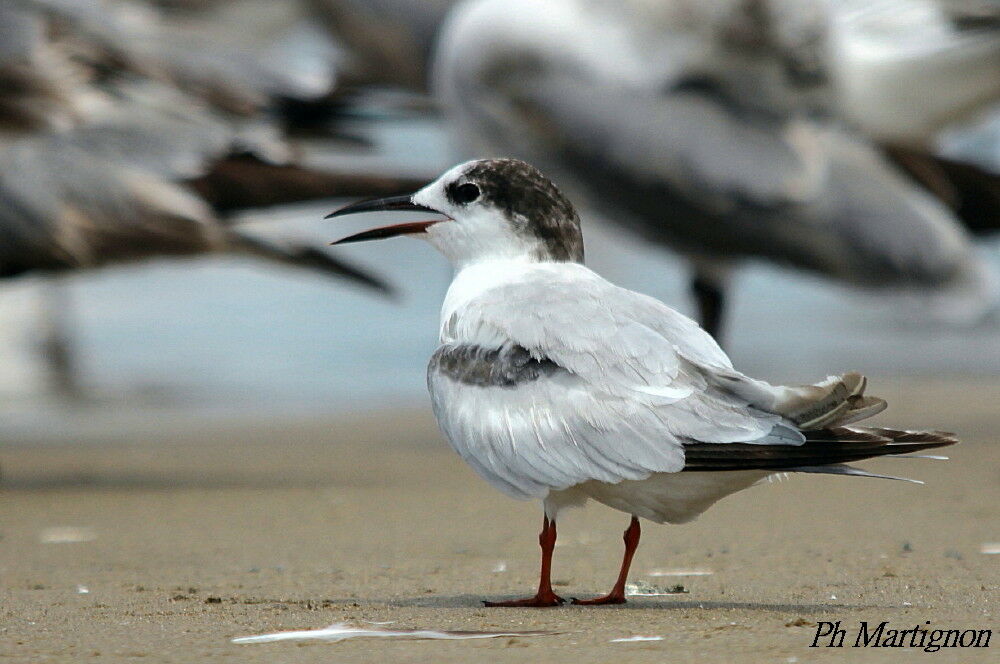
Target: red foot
(612, 598)
(541, 600)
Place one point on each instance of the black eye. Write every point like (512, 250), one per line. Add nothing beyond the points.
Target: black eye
(466, 193)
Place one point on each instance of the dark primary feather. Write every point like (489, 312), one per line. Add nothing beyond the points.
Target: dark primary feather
(246, 181)
(825, 447)
(971, 191)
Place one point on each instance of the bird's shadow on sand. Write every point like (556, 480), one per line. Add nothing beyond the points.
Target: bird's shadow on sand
(636, 604)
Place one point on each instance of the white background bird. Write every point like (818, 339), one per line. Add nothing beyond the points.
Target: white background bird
(716, 130)
(555, 384)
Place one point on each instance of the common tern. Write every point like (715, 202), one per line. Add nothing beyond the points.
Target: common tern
(555, 384)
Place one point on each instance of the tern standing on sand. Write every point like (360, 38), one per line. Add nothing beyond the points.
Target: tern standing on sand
(553, 383)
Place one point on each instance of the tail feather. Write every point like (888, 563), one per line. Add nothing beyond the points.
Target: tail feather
(822, 448)
(843, 469)
(861, 408)
(825, 414)
(934, 457)
(836, 401)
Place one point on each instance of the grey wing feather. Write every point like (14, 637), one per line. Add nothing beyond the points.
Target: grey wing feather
(687, 138)
(143, 132)
(36, 82)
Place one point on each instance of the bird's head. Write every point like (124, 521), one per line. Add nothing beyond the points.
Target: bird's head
(488, 209)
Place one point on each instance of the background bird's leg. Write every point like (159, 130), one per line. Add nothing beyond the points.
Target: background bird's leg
(617, 594)
(544, 596)
(708, 286)
(56, 344)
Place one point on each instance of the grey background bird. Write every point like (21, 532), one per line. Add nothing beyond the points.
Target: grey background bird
(125, 136)
(713, 129)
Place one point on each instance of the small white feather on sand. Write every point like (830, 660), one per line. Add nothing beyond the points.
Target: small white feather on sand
(342, 631)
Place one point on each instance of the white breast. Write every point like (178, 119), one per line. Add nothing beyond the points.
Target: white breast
(555, 430)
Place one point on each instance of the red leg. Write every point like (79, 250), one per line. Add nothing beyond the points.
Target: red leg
(617, 594)
(544, 596)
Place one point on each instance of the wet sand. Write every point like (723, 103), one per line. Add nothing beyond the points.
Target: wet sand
(200, 535)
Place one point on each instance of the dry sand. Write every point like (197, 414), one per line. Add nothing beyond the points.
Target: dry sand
(296, 526)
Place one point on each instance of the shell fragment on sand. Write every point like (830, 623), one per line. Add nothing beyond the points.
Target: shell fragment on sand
(643, 589)
(342, 631)
(66, 535)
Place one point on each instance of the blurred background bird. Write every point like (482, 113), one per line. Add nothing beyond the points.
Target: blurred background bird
(392, 41)
(128, 131)
(745, 129)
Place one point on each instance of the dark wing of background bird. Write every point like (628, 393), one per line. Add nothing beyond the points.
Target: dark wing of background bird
(392, 39)
(970, 190)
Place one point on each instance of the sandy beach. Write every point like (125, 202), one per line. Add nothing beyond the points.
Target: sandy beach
(165, 545)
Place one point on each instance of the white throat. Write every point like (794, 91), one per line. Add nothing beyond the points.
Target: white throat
(474, 279)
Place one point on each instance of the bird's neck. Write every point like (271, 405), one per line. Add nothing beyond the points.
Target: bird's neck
(474, 279)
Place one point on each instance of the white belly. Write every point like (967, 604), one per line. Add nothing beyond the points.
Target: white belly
(662, 497)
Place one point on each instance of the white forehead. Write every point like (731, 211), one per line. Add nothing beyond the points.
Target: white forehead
(457, 171)
(433, 195)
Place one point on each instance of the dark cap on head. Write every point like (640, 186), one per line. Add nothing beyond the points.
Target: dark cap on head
(534, 205)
